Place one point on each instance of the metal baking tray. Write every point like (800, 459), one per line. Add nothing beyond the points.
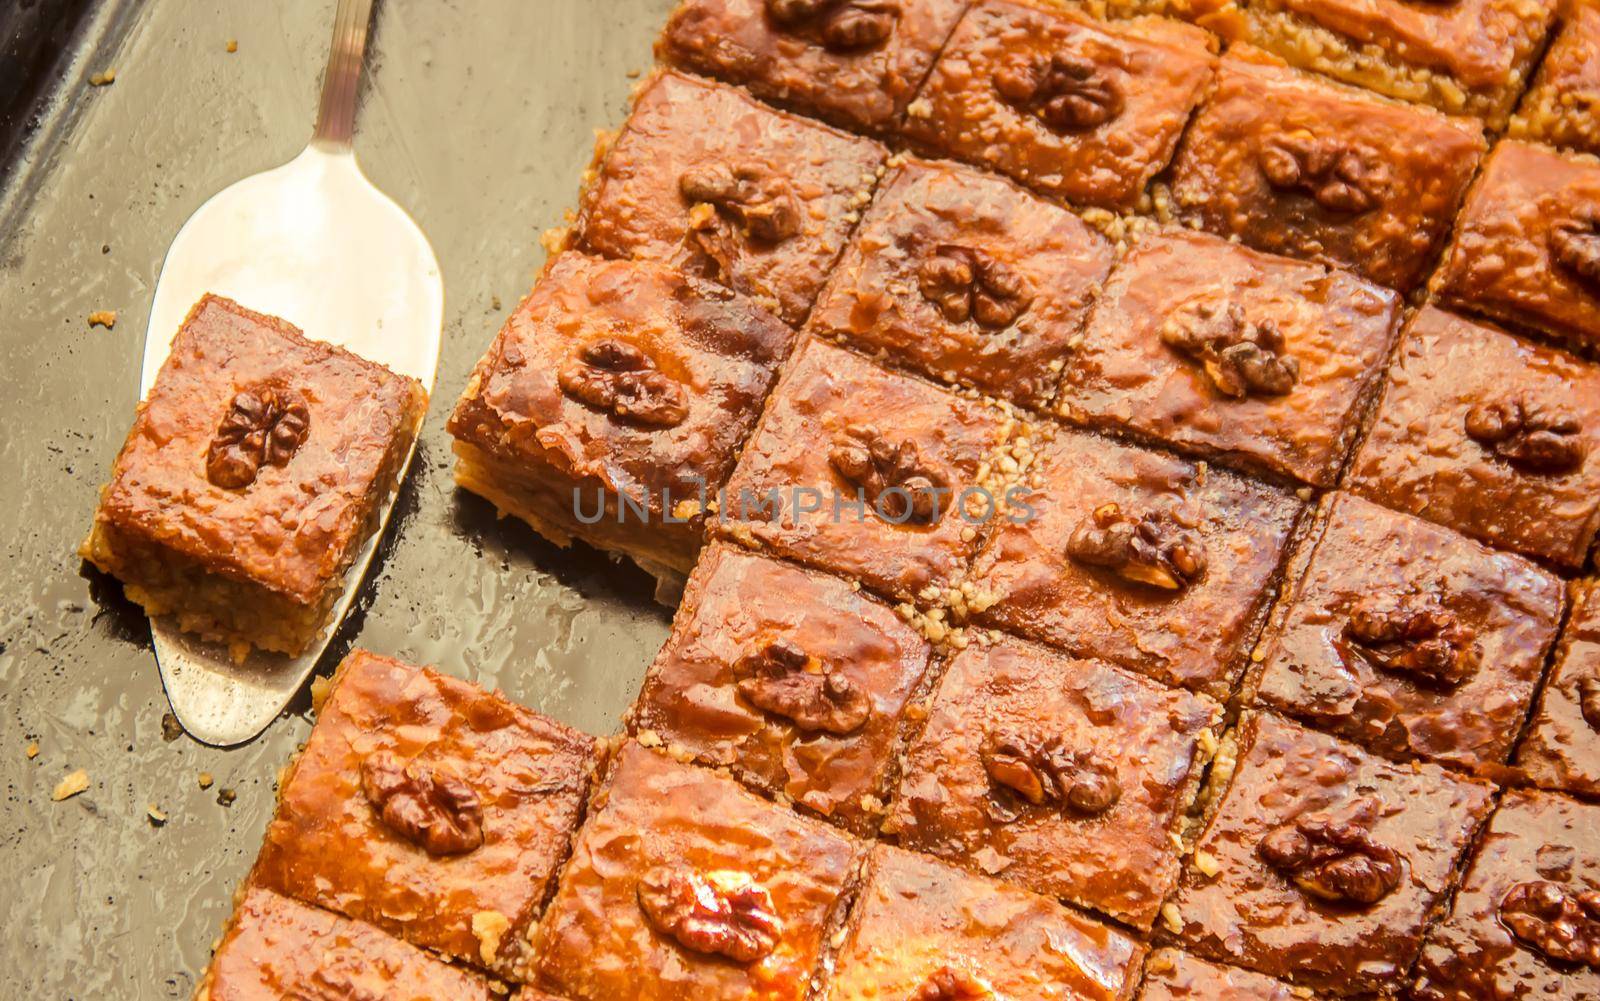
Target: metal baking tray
(479, 118)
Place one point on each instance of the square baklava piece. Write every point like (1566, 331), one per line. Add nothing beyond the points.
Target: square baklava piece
(1562, 750)
(257, 468)
(1297, 166)
(612, 405)
(430, 808)
(1174, 975)
(1464, 57)
(967, 278)
(1233, 355)
(683, 885)
(870, 473)
(276, 948)
(856, 63)
(1408, 638)
(1490, 435)
(1069, 777)
(925, 931)
(1563, 106)
(1322, 865)
(1527, 246)
(794, 680)
(1526, 923)
(1136, 557)
(728, 189)
(1078, 109)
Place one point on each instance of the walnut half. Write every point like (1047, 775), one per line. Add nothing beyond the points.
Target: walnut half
(968, 284)
(843, 25)
(1239, 358)
(1066, 91)
(1575, 246)
(1335, 857)
(893, 476)
(1152, 548)
(1549, 919)
(1046, 772)
(427, 806)
(782, 680)
(759, 200)
(264, 426)
(951, 983)
(1532, 437)
(1413, 633)
(1333, 175)
(718, 913)
(619, 379)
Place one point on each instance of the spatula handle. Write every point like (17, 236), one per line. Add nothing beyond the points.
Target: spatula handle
(336, 119)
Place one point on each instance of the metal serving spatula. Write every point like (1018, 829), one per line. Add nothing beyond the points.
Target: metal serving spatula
(315, 243)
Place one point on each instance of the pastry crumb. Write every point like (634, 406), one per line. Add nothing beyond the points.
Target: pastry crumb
(489, 927)
(233, 45)
(33, 750)
(205, 780)
(104, 78)
(70, 786)
(226, 796)
(106, 318)
(158, 817)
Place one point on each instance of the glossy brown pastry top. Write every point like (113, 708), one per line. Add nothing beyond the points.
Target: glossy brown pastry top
(1293, 165)
(841, 431)
(1070, 106)
(1481, 44)
(1067, 776)
(1174, 975)
(1488, 434)
(1562, 750)
(795, 679)
(1410, 639)
(967, 278)
(276, 948)
(854, 62)
(1560, 109)
(1185, 611)
(331, 426)
(682, 885)
(429, 807)
(1527, 245)
(728, 189)
(1234, 354)
(625, 375)
(1328, 862)
(1526, 923)
(919, 926)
